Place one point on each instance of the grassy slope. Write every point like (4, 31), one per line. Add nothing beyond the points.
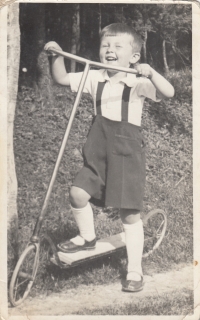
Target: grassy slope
(39, 126)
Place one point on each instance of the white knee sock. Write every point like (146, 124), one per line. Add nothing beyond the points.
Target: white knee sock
(134, 237)
(85, 223)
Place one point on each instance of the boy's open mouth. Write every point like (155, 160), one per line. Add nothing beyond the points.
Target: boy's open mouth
(111, 59)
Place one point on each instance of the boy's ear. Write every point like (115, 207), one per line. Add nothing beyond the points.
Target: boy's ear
(135, 57)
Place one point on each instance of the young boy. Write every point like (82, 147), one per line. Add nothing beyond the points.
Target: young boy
(114, 154)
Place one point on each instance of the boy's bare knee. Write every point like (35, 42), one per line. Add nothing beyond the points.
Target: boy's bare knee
(78, 197)
(129, 216)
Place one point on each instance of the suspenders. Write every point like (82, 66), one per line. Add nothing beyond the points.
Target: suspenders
(125, 100)
(98, 96)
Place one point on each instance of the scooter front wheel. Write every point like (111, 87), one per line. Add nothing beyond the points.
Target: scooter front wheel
(24, 274)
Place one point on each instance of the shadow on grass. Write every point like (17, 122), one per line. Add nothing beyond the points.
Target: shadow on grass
(101, 271)
(51, 278)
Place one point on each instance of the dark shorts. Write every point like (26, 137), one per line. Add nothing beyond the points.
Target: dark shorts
(114, 164)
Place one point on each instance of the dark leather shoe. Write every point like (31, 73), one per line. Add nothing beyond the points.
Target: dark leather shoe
(70, 247)
(132, 285)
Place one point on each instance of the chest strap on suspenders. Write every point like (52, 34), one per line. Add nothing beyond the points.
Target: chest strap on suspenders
(125, 100)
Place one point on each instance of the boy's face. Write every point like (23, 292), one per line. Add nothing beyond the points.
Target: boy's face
(118, 51)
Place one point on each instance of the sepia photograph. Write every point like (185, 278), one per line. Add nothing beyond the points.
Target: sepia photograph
(99, 127)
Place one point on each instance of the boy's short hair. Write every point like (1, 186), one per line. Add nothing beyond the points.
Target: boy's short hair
(120, 28)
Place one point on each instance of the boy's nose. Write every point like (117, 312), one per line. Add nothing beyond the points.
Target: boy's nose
(109, 49)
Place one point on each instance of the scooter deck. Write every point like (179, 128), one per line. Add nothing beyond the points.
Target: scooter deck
(103, 247)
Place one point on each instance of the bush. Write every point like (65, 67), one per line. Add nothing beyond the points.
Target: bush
(182, 82)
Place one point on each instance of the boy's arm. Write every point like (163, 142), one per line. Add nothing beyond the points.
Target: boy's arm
(164, 88)
(162, 85)
(59, 72)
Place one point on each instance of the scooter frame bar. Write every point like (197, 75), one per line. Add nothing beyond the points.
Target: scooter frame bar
(91, 63)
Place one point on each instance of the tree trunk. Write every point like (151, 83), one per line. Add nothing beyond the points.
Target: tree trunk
(99, 18)
(13, 54)
(75, 44)
(42, 81)
(165, 57)
(145, 46)
(3, 162)
(145, 17)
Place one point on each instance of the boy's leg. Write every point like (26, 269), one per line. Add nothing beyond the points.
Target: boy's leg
(134, 237)
(83, 216)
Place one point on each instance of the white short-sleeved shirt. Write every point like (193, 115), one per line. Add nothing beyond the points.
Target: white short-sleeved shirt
(111, 98)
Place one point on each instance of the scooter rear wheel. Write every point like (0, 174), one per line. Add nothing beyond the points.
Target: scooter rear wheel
(155, 224)
(24, 274)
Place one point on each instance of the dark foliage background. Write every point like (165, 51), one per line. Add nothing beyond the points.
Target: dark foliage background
(166, 30)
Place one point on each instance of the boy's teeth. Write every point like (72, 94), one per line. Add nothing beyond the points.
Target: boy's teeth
(110, 59)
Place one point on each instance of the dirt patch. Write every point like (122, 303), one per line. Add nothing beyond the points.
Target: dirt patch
(92, 297)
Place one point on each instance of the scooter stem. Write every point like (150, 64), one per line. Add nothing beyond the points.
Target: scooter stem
(35, 236)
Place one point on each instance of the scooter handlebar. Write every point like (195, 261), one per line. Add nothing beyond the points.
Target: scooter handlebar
(89, 62)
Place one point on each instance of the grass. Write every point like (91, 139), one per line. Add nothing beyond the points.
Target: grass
(178, 302)
(40, 122)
